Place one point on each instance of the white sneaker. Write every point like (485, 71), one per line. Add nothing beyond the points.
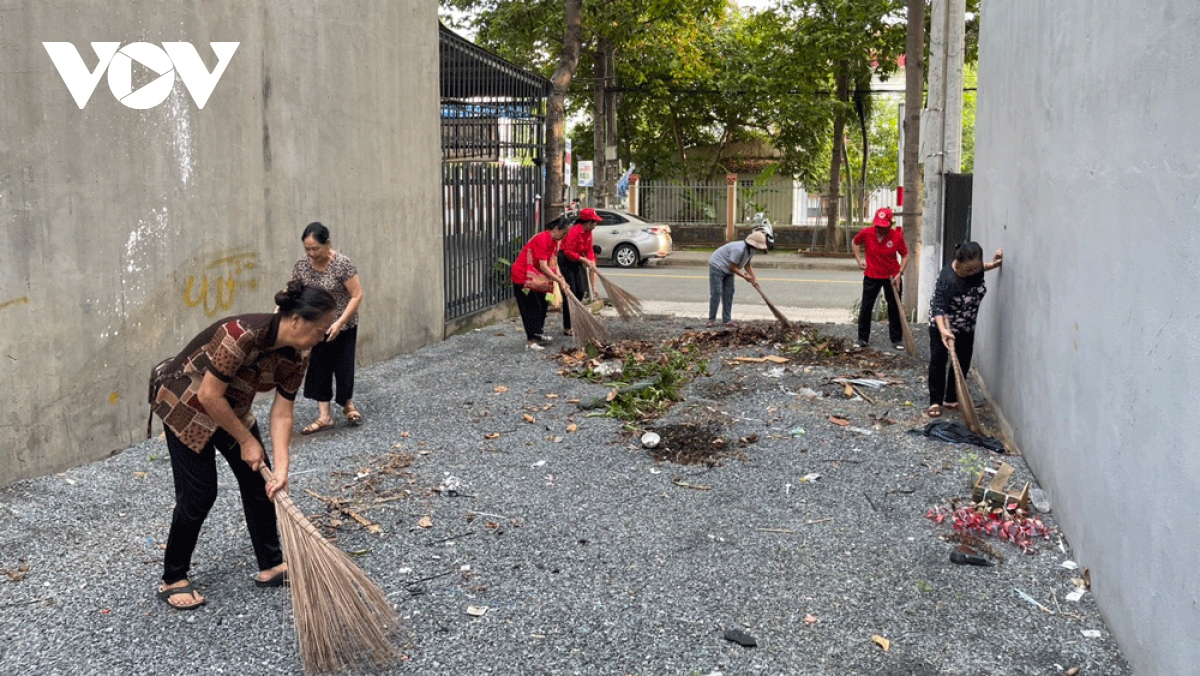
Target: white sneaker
(534, 347)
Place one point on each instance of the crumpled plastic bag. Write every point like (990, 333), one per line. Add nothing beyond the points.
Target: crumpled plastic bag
(954, 432)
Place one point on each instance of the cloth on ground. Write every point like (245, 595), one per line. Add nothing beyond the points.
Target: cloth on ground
(955, 432)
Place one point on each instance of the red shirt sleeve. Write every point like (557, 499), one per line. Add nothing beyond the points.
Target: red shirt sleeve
(901, 247)
(861, 237)
(571, 245)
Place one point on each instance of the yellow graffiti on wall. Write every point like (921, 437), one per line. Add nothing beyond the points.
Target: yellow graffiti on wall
(23, 300)
(217, 288)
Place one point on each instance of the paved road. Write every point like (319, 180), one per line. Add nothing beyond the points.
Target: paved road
(806, 295)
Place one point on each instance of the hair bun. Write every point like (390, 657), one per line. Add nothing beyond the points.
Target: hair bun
(286, 299)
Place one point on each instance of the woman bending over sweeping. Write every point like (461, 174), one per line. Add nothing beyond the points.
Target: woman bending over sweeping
(533, 276)
(727, 261)
(953, 312)
(205, 408)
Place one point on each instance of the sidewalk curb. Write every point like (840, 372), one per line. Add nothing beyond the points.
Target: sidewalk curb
(767, 263)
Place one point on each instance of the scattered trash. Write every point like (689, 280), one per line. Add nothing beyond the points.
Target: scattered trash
(539, 463)
(1070, 565)
(863, 382)
(817, 521)
(528, 418)
(849, 391)
(954, 432)
(425, 522)
(860, 430)
(995, 491)
(16, 574)
(774, 359)
(1073, 671)
(810, 619)
(1031, 600)
(492, 435)
(740, 637)
(1040, 501)
(797, 432)
(978, 521)
(700, 487)
(477, 611)
(777, 372)
(655, 470)
(450, 486)
(651, 440)
(810, 477)
(839, 420)
(809, 393)
(499, 389)
(1075, 596)
(1090, 633)
(776, 530)
(964, 555)
(609, 368)
(882, 642)
(572, 428)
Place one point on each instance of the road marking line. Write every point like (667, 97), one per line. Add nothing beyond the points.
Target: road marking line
(761, 279)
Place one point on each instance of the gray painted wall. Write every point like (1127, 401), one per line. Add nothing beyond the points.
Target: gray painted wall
(126, 231)
(1088, 175)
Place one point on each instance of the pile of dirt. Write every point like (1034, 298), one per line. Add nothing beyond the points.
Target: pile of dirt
(692, 443)
(799, 342)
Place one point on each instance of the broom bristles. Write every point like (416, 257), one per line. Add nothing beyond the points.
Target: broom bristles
(910, 343)
(965, 404)
(343, 620)
(626, 304)
(774, 310)
(585, 326)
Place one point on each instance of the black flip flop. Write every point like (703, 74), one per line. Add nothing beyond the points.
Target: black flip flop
(165, 595)
(278, 580)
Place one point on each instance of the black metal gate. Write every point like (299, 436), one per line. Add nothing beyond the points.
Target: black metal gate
(956, 227)
(493, 149)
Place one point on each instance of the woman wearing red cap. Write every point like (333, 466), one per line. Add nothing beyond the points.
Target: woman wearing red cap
(882, 243)
(574, 254)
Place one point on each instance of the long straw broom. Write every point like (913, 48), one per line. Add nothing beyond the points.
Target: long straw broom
(626, 304)
(343, 620)
(970, 417)
(774, 310)
(910, 343)
(585, 326)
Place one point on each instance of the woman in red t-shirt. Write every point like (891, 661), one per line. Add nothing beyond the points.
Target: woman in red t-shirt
(882, 243)
(576, 253)
(538, 254)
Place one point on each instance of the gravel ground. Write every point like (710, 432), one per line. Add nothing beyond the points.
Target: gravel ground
(589, 556)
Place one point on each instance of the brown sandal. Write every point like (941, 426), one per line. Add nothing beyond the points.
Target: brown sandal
(353, 417)
(934, 411)
(317, 425)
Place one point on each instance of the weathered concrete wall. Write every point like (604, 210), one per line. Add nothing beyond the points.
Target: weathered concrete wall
(1088, 175)
(126, 231)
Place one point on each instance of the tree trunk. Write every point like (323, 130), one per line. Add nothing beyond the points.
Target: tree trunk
(914, 85)
(568, 60)
(832, 236)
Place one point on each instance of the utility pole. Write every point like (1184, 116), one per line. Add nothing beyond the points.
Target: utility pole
(941, 134)
(914, 89)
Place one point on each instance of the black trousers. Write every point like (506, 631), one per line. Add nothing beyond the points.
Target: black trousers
(196, 491)
(941, 379)
(576, 275)
(533, 307)
(333, 360)
(870, 293)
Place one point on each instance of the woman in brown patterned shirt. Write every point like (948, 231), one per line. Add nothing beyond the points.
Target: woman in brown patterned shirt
(332, 359)
(206, 408)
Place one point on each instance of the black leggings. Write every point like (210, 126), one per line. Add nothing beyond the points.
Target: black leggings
(576, 275)
(870, 292)
(330, 361)
(196, 491)
(533, 307)
(941, 379)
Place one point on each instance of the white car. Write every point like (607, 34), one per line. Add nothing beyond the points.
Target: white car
(627, 240)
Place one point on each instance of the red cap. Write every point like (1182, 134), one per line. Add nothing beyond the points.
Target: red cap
(587, 215)
(883, 217)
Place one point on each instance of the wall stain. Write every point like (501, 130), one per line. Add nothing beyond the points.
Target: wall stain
(229, 272)
(23, 300)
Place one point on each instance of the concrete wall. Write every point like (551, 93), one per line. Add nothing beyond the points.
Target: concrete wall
(126, 231)
(1088, 175)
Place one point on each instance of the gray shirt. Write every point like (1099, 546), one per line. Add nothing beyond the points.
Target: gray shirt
(737, 252)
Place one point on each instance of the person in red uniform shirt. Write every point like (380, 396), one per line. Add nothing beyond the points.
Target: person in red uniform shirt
(883, 244)
(575, 254)
(538, 254)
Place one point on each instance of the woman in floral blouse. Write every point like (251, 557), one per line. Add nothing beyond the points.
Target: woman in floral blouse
(332, 359)
(952, 312)
(205, 408)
